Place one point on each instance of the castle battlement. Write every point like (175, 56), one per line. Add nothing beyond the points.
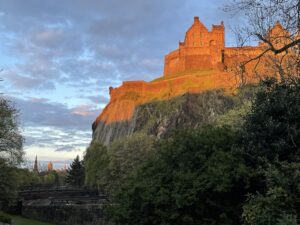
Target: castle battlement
(206, 62)
(205, 50)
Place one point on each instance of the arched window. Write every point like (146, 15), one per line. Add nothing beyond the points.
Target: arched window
(212, 43)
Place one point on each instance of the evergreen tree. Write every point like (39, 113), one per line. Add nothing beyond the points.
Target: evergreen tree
(75, 174)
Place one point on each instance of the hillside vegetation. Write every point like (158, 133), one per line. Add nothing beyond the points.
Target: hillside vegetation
(206, 159)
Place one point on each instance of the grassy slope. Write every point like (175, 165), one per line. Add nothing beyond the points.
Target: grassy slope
(18, 220)
(190, 72)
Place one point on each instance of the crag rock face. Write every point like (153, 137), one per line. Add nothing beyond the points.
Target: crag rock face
(201, 63)
(124, 99)
(161, 118)
(108, 132)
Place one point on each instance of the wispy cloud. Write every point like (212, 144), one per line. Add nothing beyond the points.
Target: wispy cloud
(60, 57)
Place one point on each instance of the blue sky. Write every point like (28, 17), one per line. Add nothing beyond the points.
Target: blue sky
(60, 57)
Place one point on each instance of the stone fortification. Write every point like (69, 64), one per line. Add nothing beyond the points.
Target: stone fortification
(202, 62)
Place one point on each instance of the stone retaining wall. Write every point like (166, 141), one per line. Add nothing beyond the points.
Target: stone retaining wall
(66, 214)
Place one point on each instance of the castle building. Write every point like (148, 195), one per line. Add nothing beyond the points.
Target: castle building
(202, 62)
(205, 50)
(202, 49)
(50, 166)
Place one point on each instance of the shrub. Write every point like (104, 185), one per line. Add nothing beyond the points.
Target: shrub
(4, 218)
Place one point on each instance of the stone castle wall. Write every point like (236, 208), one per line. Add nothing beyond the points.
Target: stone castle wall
(202, 62)
(201, 49)
(125, 98)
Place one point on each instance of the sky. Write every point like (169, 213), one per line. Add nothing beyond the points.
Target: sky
(59, 59)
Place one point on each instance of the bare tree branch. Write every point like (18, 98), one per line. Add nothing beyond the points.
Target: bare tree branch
(262, 16)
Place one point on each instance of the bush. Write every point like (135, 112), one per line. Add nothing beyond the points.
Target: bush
(195, 177)
(272, 128)
(270, 141)
(4, 218)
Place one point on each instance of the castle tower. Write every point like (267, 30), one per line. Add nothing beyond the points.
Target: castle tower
(201, 50)
(50, 166)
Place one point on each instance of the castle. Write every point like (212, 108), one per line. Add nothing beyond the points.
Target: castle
(201, 62)
(202, 49)
(205, 50)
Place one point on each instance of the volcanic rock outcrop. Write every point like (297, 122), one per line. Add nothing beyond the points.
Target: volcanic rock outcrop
(201, 63)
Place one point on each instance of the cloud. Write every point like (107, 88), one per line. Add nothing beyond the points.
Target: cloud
(41, 112)
(27, 82)
(38, 100)
(62, 58)
(97, 39)
(97, 99)
(84, 110)
(68, 148)
(56, 139)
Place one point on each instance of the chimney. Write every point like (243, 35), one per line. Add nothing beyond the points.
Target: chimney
(196, 19)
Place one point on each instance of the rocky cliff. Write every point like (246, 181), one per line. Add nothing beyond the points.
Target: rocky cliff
(161, 118)
(133, 106)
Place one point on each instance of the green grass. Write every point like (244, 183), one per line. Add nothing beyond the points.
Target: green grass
(189, 72)
(19, 220)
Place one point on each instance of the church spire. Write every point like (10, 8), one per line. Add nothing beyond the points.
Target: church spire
(35, 167)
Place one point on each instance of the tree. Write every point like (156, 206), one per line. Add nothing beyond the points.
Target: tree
(194, 177)
(75, 174)
(96, 162)
(262, 15)
(272, 128)
(11, 151)
(8, 182)
(107, 167)
(281, 50)
(11, 140)
(126, 155)
(271, 144)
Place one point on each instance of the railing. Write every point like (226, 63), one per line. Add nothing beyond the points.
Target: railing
(59, 192)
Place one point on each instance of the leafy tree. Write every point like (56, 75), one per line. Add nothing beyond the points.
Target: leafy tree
(108, 167)
(11, 151)
(75, 174)
(11, 140)
(8, 182)
(280, 200)
(270, 141)
(287, 219)
(52, 179)
(235, 117)
(272, 128)
(126, 155)
(96, 162)
(27, 178)
(195, 177)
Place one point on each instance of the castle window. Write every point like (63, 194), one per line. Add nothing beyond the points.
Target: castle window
(212, 43)
(223, 56)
